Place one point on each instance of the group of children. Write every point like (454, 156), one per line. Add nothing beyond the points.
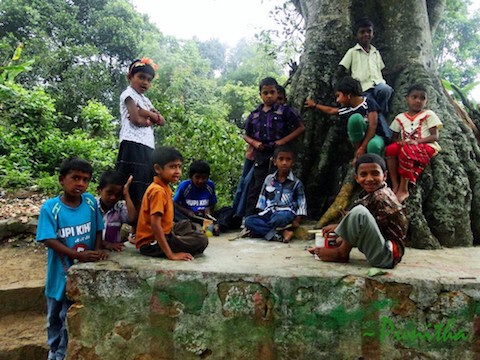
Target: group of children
(77, 227)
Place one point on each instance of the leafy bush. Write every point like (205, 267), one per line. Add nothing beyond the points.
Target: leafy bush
(32, 147)
(215, 141)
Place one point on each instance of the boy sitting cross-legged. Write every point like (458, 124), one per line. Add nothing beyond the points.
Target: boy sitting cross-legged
(156, 234)
(282, 201)
(377, 226)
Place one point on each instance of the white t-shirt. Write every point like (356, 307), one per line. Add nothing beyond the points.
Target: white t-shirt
(129, 131)
(416, 127)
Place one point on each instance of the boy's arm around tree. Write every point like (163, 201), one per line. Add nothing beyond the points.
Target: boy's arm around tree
(329, 110)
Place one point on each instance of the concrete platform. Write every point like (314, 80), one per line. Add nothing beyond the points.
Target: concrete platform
(252, 299)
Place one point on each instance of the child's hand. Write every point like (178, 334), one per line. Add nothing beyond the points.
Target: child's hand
(309, 103)
(279, 142)
(328, 229)
(359, 152)
(91, 255)
(126, 187)
(181, 256)
(113, 247)
(295, 223)
(258, 145)
(157, 118)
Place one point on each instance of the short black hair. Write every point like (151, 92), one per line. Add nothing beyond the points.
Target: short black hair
(363, 23)
(416, 87)
(284, 148)
(349, 86)
(369, 159)
(199, 167)
(268, 81)
(138, 66)
(111, 177)
(75, 163)
(281, 90)
(165, 154)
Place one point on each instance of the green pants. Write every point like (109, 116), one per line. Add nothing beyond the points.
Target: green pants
(359, 228)
(357, 128)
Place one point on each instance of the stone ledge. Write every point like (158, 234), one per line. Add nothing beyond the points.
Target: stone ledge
(250, 299)
(26, 296)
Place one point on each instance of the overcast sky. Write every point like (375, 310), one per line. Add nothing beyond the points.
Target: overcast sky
(227, 20)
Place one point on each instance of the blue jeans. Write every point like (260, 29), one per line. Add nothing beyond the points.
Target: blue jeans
(381, 93)
(57, 328)
(240, 199)
(265, 225)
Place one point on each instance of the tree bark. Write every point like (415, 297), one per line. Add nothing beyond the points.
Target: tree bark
(444, 207)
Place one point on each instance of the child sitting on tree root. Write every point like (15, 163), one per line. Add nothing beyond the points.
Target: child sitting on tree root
(377, 226)
(414, 134)
(359, 115)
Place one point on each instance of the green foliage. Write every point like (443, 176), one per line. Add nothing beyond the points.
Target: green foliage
(242, 99)
(248, 63)
(214, 51)
(97, 119)
(32, 147)
(456, 42)
(81, 48)
(212, 140)
(80, 51)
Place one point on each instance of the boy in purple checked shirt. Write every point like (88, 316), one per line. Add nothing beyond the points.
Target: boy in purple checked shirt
(116, 207)
(269, 125)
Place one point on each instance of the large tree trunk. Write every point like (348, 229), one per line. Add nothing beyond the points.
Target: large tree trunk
(444, 208)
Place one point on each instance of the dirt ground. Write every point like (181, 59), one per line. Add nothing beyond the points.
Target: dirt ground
(21, 262)
(21, 259)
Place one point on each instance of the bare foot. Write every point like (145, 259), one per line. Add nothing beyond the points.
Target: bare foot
(332, 254)
(402, 196)
(287, 235)
(132, 238)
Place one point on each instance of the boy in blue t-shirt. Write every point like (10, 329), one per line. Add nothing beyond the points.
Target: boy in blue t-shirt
(70, 225)
(195, 196)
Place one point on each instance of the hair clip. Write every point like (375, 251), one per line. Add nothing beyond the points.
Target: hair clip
(148, 61)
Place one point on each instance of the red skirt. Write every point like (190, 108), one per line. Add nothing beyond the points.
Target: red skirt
(412, 159)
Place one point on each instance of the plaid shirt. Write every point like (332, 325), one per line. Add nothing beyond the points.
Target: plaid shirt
(388, 213)
(276, 196)
(275, 124)
(113, 220)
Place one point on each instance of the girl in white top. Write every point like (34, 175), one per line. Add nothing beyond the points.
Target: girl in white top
(136, 134)
(414, 134)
